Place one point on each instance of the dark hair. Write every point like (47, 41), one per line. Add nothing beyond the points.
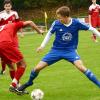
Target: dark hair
(7, 2)
(63, 11)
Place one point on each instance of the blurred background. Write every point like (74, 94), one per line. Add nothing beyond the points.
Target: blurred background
(34, 9)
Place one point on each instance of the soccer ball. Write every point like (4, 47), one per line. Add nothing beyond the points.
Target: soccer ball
(37, 94)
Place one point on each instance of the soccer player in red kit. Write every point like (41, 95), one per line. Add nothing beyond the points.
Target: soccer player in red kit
(8, 50)
(8, 16)
(94, 19)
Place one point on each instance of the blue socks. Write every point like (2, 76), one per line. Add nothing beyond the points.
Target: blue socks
(92, 77)
(88, 73)
(33, 75)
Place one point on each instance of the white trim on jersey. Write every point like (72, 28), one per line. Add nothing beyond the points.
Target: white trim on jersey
(47, 37)
(93, 7)
(94, 31)
(2, 27)
(67, 25)
(4, 15)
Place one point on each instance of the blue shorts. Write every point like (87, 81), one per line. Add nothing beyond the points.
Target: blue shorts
(55, 55)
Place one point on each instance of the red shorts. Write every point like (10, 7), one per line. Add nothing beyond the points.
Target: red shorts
(95, 22)
(9, 53)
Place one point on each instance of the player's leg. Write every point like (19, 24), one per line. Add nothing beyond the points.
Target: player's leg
(99, 25)
(19, 72)
(34, 73)
(11, 70)
(9, 53)
(94, 24)
(74, 58)
(94, 38)
(12, 54)
(50, 58)
(99, 29)
(3, 66)
(79, 65)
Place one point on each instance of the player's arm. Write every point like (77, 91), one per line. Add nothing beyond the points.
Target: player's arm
(45, 41)
(47, 37)
(84, 26)
(94, 31)
(90, 12)
(17, 16)
(89, 19)
(16, 20)
(33, 25)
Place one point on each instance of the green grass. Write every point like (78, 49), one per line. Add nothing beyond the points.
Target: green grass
(61, 81)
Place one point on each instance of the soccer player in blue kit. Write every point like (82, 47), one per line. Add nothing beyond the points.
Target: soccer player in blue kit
(65, 44)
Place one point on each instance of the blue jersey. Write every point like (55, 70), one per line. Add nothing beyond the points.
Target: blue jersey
(66, 36)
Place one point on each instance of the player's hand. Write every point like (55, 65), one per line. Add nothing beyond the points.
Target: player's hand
(39, 49)
(41, 32)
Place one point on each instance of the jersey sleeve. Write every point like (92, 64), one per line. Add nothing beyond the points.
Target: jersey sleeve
(16, 14)
(53, 28)
(90, 10)
(83, 26)
(19, 25)
(17, 17)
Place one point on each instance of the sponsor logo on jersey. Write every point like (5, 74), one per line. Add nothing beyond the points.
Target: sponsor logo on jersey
(67, 37)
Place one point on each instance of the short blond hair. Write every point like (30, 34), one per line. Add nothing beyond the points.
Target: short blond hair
(63, 11)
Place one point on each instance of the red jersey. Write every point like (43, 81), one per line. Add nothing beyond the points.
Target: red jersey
(6, 18)
(94, 11)
(8, 32)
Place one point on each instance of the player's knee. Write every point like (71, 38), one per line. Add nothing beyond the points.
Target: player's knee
(41, 65)
(21, 64)
(37, 69)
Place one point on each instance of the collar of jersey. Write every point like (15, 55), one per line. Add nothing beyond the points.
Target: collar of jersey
(6, 12)
(95, 5)
(67, 25)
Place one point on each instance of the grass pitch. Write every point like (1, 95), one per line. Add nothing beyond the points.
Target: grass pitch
(61, 81)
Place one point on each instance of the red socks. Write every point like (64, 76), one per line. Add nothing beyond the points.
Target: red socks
(18, 75)
(12, 74)
(19, 72)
